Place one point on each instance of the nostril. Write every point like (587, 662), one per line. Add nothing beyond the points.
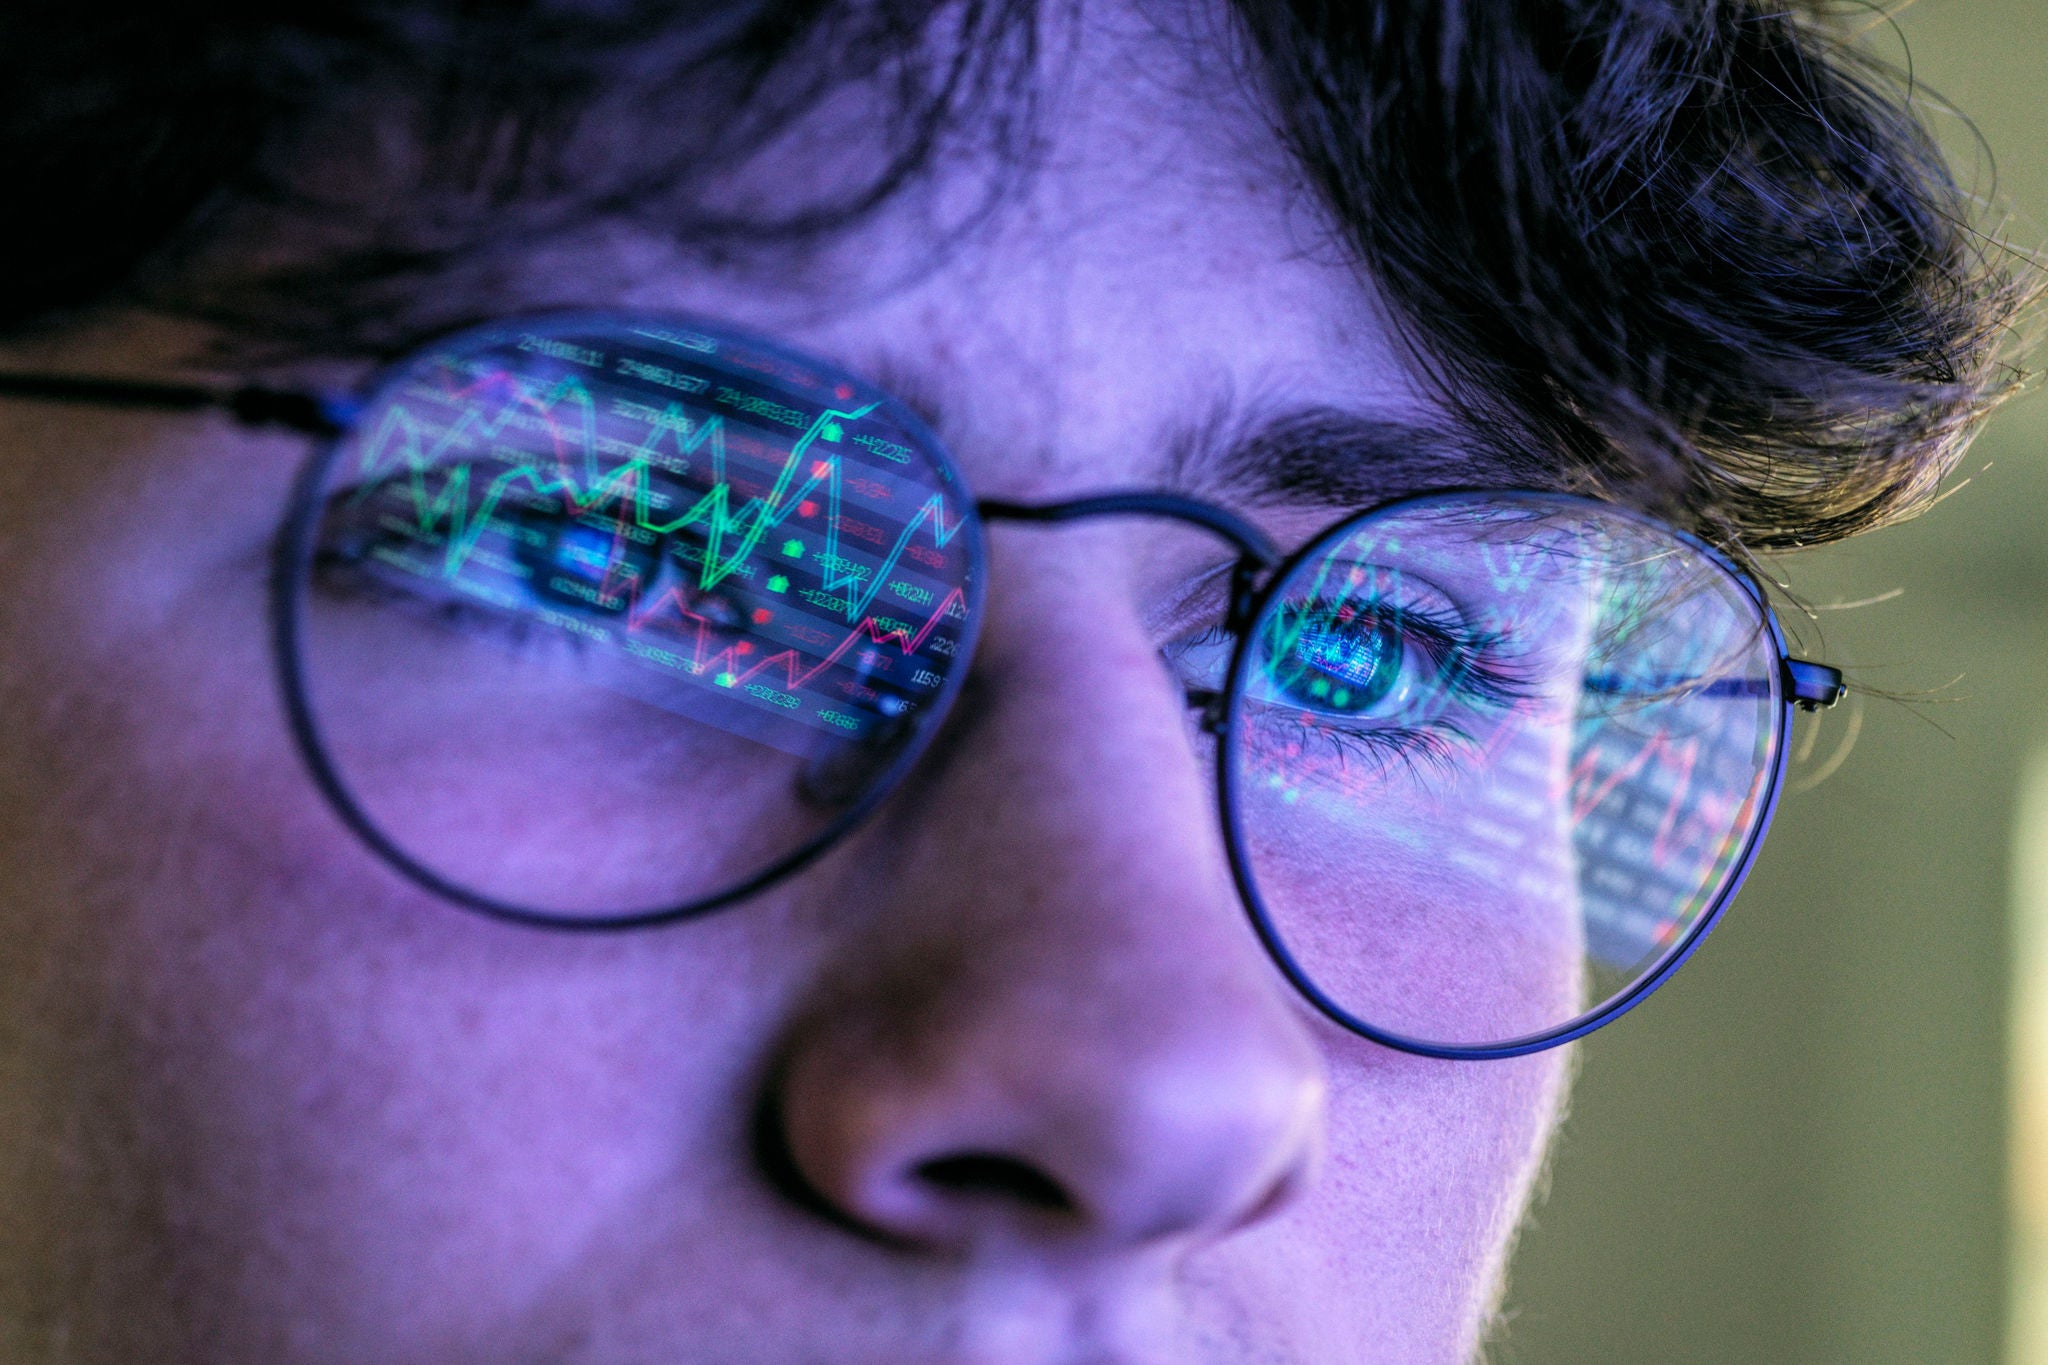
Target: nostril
(987, 1173)
(938, 1133)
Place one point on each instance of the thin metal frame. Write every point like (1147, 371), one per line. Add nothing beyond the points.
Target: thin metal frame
(1789, 690)
(333, 418)
(294, 552)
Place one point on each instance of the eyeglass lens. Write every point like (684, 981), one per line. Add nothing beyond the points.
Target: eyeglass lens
(602, 619)
(1494, 758)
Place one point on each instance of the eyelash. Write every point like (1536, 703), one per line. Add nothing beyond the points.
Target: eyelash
(352, 577)
(1413, 747)
(1473, 662)
(353, 572)
(1473, 665)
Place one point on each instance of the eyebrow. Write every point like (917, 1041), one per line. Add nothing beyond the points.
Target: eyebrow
(1328, 456)
(1303, 455)
(1314, 454)
(1336, 457)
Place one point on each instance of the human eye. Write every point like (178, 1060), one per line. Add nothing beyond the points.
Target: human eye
(467, 550)
(606, 573)
(677, 588)
(1368, 661)
(484, 548)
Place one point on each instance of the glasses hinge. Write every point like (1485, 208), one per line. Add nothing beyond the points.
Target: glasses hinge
(1215, 718)
(1243, 595)
(1813, 685)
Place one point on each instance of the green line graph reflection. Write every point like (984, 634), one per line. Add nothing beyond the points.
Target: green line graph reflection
(1499, 754)
(672, 572)
(749, 532)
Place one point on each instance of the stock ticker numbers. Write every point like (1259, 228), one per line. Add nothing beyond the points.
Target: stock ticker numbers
(725, 518)
(1570, 702)
(1657, 819)
(1569, 705)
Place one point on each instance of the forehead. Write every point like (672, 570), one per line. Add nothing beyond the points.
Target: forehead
(1154, 283)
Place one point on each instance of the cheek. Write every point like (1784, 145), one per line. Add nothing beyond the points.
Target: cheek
(283, 1087)
(531, 774)
(402, 1140)
(1430, 1169)
(1435, 901)
(362, 1115)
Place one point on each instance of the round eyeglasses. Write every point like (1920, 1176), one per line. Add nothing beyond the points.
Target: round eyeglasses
(601, 620)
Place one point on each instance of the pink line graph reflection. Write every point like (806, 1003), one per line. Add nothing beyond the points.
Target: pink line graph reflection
(798, 671)
(568, 466)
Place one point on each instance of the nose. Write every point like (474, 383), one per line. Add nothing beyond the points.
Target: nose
(1054, 1028)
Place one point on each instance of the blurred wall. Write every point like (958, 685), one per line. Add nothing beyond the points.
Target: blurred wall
(1796, 1152)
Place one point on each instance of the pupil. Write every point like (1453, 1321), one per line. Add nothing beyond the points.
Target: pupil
(1345, 665)
(594, 568)
(584, 551)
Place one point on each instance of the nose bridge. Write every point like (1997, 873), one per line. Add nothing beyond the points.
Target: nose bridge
(1076, 788)
(1061, 982)
(1079, 739)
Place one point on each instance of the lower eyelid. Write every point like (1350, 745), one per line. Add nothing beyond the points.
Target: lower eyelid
(1379, 743)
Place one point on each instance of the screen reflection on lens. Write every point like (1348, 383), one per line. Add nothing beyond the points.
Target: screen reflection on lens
(1494, 758)
(603, 619)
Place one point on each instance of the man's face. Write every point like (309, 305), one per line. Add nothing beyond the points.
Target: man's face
(1004, 1077)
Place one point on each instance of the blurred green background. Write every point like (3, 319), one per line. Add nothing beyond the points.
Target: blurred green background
(1797, 1151)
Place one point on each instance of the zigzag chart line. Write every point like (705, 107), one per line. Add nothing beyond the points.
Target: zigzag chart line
(796, 676)
(400, 439)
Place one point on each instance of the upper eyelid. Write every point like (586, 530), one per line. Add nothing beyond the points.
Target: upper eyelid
(1202, 601)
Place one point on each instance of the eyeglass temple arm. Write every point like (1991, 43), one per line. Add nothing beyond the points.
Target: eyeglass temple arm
(318, 414)
(1813, 685)
(313, 414)
(1252, 543)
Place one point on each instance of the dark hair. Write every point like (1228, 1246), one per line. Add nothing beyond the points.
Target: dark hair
(1698, 253)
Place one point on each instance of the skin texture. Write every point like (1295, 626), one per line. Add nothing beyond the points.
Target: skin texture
(262, 1100)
